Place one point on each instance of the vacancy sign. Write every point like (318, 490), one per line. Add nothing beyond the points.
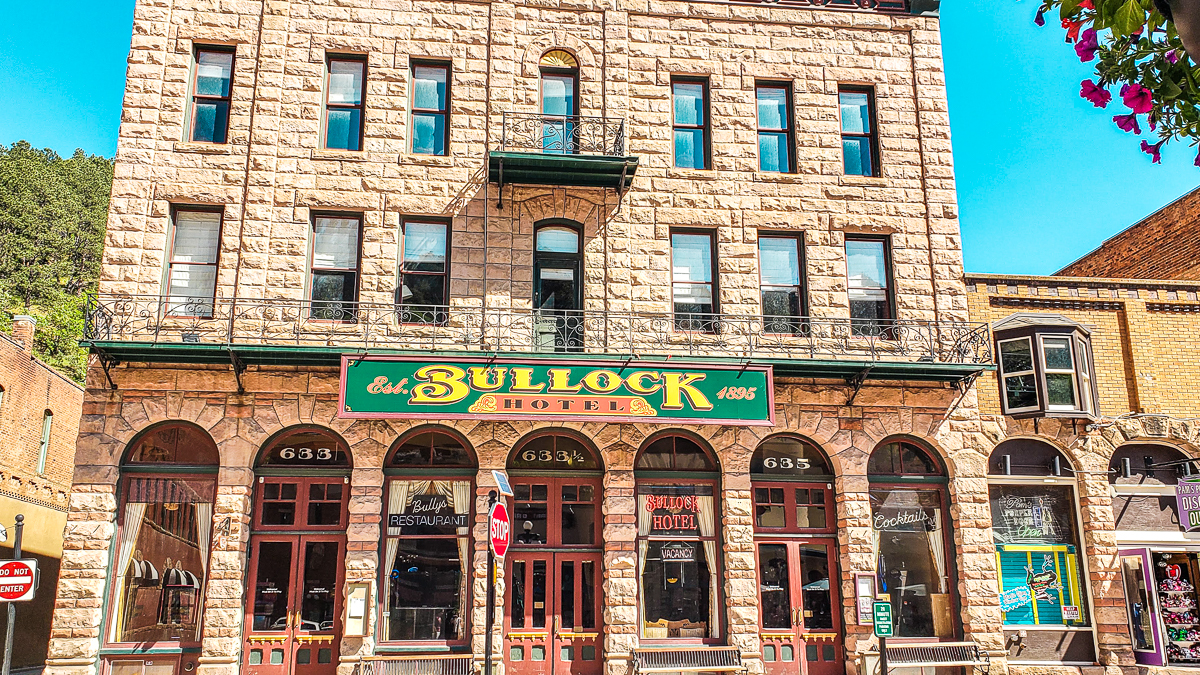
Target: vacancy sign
(18, 580)
(499, 529)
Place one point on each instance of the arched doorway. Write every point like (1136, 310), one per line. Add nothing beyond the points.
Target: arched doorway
(163, 545)
(911, 539)
(425, 579)
(297, 554)
(795, 532)
(553, 619)
(679, 559)
(1159, 549)
(558, 286)
(1042, 571)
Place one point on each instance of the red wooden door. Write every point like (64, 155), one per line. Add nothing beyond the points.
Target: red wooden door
(554, 616)
(800, 607)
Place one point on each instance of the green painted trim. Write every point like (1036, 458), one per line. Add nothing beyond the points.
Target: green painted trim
(396, 471)
(331, 357)
(538, 168)
(301, 471)
(134, 651)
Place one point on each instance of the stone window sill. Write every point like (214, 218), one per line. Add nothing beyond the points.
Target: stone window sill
(204, 148)
(341, 155)
(863, 181)
(427, 160)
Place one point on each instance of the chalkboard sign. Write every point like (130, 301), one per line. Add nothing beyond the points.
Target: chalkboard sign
(1033, 514)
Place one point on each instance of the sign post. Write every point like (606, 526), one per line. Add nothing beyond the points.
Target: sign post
(499, 534)
(881, 614)
(25, 594)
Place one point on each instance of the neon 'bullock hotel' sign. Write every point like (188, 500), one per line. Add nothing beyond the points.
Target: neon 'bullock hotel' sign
(553, 389)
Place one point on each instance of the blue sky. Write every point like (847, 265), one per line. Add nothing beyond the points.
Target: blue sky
(1043, 177)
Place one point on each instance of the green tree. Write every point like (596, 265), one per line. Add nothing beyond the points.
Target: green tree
(52, 217)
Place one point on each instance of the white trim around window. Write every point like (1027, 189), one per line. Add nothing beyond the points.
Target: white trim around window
(1004, 375)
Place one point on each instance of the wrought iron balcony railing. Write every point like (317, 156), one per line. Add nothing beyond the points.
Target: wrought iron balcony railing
(562, 134)
(366, 326)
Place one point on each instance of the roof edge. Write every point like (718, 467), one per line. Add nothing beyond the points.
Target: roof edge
(1060, 280)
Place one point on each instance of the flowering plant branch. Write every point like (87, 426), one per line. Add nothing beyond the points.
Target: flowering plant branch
(1138, 51)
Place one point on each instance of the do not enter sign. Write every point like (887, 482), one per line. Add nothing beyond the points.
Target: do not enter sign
(499, 529)
(18, 580)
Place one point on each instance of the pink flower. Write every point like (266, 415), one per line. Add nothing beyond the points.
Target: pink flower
(1094, 93)
(1128, 123)
(1087, 4)
(1154, 151)
(1040, 19)
(1173, 56)
(1087, 45)
(1138, 98)
(1197, 162)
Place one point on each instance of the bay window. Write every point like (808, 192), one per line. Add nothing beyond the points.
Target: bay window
(1046, 366)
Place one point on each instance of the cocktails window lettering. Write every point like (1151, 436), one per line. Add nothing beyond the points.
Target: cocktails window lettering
(904, 520)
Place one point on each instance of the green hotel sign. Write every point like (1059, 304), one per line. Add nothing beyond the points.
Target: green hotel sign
(511, 389)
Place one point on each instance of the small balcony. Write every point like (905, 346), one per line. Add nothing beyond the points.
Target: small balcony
(296, 332)
(568, 150)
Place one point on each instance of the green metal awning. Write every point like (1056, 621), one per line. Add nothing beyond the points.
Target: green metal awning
(240, 355)
(536, 168)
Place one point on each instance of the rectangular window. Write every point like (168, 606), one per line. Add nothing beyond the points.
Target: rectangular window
(860, 141)
(680, 591)
(426, 557)
(774, 126)
(335, 255)
(693, 288)
(424, 272)
(430, 103)
(780, 259)
(1085, 376)
(689, 101)
(1060, 373)
(1017, 375)
(212, 87)
(868, 285)
(192, 265)
(44, 448)
(344, 103)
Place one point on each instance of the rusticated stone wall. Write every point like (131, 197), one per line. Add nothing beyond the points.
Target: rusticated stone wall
(940, 416)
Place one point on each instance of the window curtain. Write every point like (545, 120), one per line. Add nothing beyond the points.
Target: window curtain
(204, 521)
(643, 530)
(134, 513)
(707, 522)
(462, 505)
(397, 498)
(937, 552)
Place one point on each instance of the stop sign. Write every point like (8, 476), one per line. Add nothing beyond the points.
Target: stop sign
(499, 528)
(17, 579)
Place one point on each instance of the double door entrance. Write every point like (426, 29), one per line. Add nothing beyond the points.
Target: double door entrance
(801, 608)
(554, 614)
(294, 618)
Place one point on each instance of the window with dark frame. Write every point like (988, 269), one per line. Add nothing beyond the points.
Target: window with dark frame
(334, 272)
(345, 77)
(212, 87)
(781, 265)
(1045, 367)
(860, 139)
(869, 285)
(693, 280)
(689, 104)
(430, 108)
(424, 272)
(192, 264)
(774, 104)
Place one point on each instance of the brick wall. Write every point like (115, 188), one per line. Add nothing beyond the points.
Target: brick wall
(1161, 246)
(28, 388)
(1141, 334)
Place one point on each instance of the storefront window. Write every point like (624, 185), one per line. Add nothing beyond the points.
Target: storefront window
(911, 539)
(427, 541)
(164, 536)
(677, 540)
(1037, 540)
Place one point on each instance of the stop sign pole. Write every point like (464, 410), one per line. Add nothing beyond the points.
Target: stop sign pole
(12, 606)
(491, 591)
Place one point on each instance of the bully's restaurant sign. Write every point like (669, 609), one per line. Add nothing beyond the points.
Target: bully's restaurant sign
(558, 390)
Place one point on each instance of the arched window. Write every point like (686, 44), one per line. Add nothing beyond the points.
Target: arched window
(559, 90)
(1035, 526)
(44, 446)
(164, 535)
(677, 539)
(911, 539)
(427, 541)
(795, 534)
